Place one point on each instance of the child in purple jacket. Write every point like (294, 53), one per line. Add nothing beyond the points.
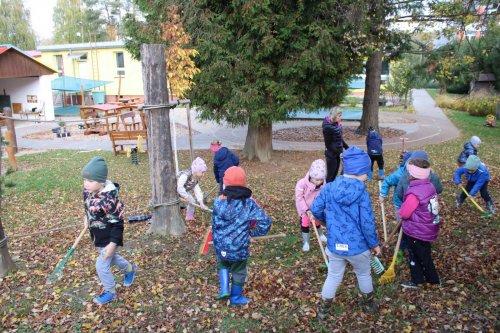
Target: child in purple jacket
(306, 191)
(419, 214)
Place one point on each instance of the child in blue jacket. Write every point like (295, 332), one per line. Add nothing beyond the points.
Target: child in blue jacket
(375, 151)
(223, 159)
(346, 207)
(478, 177)
(470, 148)
(234, 214)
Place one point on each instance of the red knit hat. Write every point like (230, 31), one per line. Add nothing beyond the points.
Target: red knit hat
(235, 176)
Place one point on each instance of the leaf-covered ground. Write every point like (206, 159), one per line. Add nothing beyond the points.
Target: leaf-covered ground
(175, 288)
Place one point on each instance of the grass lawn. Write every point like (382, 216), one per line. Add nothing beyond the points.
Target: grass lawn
(435, 92)
(175, 288)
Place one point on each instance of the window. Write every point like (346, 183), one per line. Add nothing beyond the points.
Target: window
(120, 64)
(60, 65)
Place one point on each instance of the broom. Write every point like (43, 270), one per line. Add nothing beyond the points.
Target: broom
(390, 274)
(57, 273)
(485, 214)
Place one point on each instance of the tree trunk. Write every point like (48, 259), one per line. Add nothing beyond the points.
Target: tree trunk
(259, 142)
(6, 263)
(166, 212)
(372, 93)
(11, 127)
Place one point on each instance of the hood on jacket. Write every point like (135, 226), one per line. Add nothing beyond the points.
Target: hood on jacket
(347, 190)
(221, 154)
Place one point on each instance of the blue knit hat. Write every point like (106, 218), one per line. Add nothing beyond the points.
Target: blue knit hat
(356, 161)
(407, 156)
(419, 155)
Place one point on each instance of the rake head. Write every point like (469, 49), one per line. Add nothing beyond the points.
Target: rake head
(55, 276)
(388, 276)
(486, 215)
(376, 265)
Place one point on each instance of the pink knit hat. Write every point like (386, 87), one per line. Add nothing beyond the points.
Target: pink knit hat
(198, 165)
(318, 169)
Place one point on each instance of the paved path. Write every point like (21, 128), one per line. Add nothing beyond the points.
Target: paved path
(431, 126)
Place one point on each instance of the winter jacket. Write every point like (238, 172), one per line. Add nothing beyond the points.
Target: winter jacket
(332, 134)
(346, 207)
(392, 181)
(479, 178)
(420, 221)
(374, 143)
(404, 182)
(468, 150)
(231, 221)
(305, 193)
(186, 183)
(223, 160)
(104, 212)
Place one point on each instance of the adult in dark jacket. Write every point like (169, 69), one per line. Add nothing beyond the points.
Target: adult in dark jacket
(404, 181)
(223, 160)
(470, 148)
(334, 143)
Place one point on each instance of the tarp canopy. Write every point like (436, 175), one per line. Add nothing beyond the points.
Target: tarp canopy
(74, 84)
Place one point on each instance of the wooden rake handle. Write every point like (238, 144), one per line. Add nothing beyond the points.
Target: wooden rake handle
(79, 238)
(382, 208)
(187, 202)
(264, 237)
(313, 222)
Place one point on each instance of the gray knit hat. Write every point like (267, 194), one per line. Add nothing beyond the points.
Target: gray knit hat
(472, 162)
(96, 170)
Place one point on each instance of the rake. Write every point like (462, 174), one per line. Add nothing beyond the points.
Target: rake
(57, 273)
(390, 273)
(313, 222)
(376, 265)
(485, 214)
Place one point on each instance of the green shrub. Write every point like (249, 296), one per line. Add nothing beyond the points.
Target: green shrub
(474, 106)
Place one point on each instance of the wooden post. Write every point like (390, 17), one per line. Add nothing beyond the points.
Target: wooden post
(6, 263)
(83, 95)
(188, 111)
(10, 127)
(166, 216)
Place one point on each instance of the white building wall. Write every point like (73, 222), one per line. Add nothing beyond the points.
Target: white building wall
(19, 88)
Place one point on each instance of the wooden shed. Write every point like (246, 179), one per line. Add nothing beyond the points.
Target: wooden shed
(485, 83)
(24, 83)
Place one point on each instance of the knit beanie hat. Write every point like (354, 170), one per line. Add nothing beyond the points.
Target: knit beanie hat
(235, 176)
(215, 145)
(335, 111)
(198, 165)
(317, 169)
(472, 162)
(419, 155)
(475, 140)
(356, 161)
(96, 170)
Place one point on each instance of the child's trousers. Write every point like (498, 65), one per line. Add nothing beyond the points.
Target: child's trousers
(103, 267)
(336, 268)
(237, 269)
(484, 192)
(379, 159)
(422, 267)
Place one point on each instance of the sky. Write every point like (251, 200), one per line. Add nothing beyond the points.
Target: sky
(41, 16)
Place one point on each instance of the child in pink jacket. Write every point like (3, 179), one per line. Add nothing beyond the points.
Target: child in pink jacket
(306, 191)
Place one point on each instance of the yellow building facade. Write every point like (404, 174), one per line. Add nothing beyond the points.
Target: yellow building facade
(105, 61)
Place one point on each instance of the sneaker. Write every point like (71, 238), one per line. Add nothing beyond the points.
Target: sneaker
(409, 284)
(305, 248)
(323, 238)
(105, 297)
(129, 276)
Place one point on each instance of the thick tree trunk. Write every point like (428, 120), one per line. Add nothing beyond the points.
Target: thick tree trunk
(259, 142)
(166, 212)
(6, 263)
(372, 93)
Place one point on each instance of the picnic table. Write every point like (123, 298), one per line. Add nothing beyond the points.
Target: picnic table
(93, 116)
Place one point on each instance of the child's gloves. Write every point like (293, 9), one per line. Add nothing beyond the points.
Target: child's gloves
(376, 250)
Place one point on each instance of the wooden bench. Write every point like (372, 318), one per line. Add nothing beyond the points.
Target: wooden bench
(119, 139)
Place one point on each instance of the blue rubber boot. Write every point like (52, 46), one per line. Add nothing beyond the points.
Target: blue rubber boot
(237, 297)
(224, 283)
(370, 173)
(381, 174)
